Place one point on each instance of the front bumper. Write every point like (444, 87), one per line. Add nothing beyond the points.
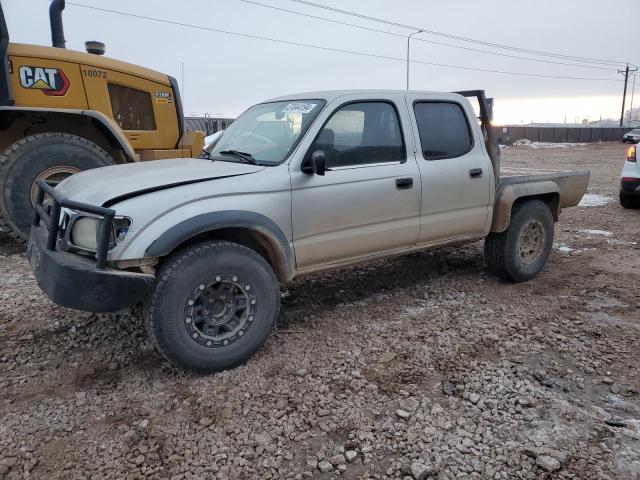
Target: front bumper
(74, 281)
(70, 279)
(630, 187)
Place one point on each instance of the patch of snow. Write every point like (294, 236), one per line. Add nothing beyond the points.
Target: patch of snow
(604, 233)
(594, 200)
(615, 241)
(525, 142)
(414, 311)
(562, 248)
(567, 250)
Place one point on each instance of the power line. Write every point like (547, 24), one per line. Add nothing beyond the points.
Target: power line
(511, 73)
(331, 49)
(237, 34)
(400, 35)
(457, 37)
(611, 68)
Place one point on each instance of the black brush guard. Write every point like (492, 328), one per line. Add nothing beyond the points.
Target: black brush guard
(73, 280)
(51, 219)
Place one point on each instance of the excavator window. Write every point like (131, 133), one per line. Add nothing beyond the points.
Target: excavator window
(132, 108)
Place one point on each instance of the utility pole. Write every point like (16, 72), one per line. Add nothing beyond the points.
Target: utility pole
(633, 92)
(408, 52)
(626, 72)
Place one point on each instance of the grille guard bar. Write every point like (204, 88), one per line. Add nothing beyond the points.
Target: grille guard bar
(51, 219)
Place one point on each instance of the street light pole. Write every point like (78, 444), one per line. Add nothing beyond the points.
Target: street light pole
(408, 53)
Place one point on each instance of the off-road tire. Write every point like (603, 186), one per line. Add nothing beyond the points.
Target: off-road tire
(629, 201)
(501, 250)
(187, 270)
(22, 162)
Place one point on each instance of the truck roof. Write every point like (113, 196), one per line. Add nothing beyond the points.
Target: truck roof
(330, 95)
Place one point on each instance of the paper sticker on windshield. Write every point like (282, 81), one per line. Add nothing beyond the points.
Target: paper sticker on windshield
(299, 107)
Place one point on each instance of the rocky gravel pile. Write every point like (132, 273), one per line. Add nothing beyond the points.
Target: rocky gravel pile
(420, 367)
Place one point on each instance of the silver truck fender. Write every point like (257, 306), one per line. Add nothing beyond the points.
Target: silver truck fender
(508, 194)
(268, 234)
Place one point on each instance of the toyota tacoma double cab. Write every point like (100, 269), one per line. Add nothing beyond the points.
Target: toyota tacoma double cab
(296, 185)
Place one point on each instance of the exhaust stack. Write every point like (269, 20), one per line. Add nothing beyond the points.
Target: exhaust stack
(5, 76)
(55, 19)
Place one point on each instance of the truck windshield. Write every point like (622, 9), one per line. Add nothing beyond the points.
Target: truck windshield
(267, 132)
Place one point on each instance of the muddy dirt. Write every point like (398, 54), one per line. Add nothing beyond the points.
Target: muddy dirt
(424, 366)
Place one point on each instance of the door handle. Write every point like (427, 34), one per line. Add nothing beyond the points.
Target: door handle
(475, 173)
(404, 183)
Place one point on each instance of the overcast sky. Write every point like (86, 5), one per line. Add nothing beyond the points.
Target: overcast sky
(226, 74)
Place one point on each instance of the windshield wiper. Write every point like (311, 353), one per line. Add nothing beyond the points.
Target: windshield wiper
(205, 155)
(247, 157)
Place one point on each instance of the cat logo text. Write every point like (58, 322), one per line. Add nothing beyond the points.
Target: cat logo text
(52, 81)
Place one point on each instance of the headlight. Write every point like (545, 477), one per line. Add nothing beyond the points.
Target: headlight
(85, 232)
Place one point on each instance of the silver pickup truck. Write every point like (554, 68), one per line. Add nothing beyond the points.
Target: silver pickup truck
(295, 185)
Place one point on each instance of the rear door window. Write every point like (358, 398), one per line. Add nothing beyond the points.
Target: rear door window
(444, 130)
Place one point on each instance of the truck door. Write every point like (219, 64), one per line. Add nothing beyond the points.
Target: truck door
(369, 199)
(456, 172)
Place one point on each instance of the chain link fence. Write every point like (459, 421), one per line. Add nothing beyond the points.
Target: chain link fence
(208, 125)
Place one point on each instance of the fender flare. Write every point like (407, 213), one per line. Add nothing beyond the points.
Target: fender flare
(508, 195)
(112, 127)
(209, 222)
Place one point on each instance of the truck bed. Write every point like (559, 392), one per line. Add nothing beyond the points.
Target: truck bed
(571, 186)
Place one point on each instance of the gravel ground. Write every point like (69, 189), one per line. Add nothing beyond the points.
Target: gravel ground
(420, 367)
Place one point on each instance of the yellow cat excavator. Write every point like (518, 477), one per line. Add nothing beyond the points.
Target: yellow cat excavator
(63, 111)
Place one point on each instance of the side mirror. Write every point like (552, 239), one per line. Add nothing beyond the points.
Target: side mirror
(317, 164)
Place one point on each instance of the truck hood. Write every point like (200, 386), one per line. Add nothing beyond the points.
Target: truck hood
(108, 185)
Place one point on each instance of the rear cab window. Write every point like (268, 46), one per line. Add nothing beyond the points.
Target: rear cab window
(443, 128)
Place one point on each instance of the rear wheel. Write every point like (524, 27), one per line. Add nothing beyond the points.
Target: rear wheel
(213, 306)
(520, 252)
(629, 201)
(48, 156)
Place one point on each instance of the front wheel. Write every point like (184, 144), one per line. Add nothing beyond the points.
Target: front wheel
(519, 253)
(213, 306)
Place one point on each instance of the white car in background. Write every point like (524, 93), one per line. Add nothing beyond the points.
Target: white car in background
(630, 180)
(209, 139)
(632, 136)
